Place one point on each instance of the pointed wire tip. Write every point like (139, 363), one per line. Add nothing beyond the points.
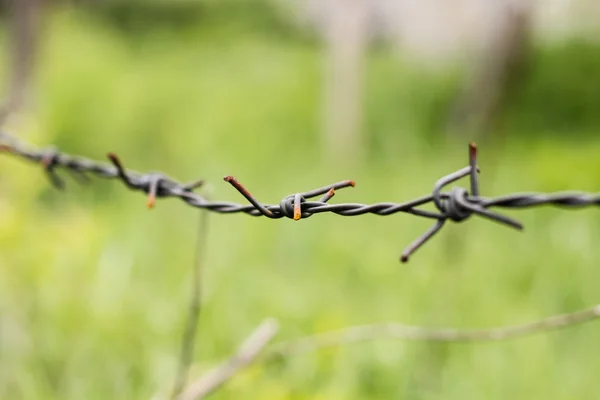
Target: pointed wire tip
(194, 185)
(240, 188)
(473, 154)
(151, 202)
(297, 207)
(327, 196)
(114, 159)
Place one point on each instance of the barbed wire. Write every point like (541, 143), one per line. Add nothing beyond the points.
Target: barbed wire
(456, 205)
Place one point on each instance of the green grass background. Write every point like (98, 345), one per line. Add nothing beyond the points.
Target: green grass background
(94, 287)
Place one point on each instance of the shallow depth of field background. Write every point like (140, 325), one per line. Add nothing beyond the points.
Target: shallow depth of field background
(94, 286)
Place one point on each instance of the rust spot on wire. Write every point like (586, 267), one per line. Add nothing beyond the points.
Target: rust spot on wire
(240, 188)
(297, 207)
(328, 195)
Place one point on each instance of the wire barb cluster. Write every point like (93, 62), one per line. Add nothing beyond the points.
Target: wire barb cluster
(456, 205)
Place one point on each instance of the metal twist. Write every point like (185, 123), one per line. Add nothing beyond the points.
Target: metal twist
(456, 205)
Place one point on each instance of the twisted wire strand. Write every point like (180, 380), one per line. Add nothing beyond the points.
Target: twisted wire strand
(456, 205)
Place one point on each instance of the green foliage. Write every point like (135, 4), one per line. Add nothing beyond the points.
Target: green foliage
(94, 287)
(559, 93)
(219, 17)
(406, 104)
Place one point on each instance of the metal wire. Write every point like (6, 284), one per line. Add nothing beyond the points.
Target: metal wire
(456, 205)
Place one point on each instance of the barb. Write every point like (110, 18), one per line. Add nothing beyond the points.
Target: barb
(456, 205)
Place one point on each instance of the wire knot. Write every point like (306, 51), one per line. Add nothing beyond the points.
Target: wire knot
(50, 159)
(458, 205)
(155, 184)
(291, 207)
(452, 206)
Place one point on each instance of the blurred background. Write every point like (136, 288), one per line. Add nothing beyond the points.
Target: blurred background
(290, 95)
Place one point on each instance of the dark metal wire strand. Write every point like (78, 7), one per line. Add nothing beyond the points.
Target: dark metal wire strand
(456, 205)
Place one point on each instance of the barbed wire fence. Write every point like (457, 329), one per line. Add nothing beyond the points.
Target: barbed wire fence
(456, 205)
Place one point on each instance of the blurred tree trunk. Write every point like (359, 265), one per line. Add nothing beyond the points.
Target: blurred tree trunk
(346, 39)
(22, 42)
(500, 64)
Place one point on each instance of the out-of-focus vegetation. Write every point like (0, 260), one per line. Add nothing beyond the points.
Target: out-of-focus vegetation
(94, 287)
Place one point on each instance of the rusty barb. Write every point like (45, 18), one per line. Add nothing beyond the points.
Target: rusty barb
(456, 205)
